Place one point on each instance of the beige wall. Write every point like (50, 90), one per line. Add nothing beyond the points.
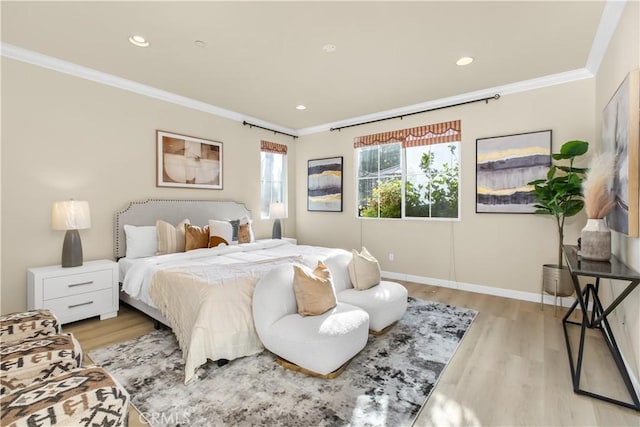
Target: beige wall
(622, 56)
(498, 250)
(65, 137)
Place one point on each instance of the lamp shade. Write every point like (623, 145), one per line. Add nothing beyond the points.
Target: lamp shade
(70, 215)
(277, 210)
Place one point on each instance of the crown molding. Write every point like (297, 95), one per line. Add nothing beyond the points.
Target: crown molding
(55, 64)
(611, 15)
(523, 86)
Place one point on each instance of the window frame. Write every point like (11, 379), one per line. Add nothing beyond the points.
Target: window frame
(403, 164)
(284, 183)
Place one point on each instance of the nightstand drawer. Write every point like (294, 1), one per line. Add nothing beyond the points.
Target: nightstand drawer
(73, 284)
(76, 307)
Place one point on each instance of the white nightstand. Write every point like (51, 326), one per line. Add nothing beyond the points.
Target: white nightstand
(75, 293)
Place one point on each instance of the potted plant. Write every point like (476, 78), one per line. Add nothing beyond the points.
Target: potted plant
(560, 195)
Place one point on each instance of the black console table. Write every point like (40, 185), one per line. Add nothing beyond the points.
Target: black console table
(614, 269)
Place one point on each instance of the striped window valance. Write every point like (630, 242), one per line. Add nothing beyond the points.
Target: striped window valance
(272, 147)
(413, 137)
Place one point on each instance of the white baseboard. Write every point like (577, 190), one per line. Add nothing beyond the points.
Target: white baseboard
(479, 289)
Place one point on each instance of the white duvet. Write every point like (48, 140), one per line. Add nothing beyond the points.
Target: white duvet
(206, 294)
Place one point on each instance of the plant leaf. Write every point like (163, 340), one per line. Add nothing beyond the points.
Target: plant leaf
(574, 148)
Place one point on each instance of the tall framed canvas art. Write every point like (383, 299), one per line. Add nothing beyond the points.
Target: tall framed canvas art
(324, 185)
(504, 166)
(188, 162)
(620, 135)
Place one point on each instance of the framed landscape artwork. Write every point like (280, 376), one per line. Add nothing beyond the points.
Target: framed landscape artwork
(188, 162)
(620, 135)
(504, 166)
(324, 185)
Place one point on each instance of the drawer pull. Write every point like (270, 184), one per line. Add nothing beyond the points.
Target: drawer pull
(81, 304)
(80, 284)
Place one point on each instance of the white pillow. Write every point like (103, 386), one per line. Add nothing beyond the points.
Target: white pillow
(170, 239)
(364, 270)
(142, 241)
(222, 229)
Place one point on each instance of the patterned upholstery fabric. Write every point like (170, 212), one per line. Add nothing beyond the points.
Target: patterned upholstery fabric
(37, 359)
(29, 324)
(82, 397)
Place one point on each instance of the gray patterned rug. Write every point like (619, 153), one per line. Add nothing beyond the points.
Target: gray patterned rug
(384, 385)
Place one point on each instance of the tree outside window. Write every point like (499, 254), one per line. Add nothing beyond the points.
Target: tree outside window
(379, 181)
(430, 177)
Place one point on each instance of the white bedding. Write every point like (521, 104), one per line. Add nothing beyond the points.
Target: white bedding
(125, 264)
(206, 326)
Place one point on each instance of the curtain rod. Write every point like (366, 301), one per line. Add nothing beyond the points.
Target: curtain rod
(401, 116)
(251, 125)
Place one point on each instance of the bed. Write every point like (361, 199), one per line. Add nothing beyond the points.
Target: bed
(203, 295)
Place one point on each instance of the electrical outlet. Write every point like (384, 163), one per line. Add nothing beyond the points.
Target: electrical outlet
(391, 256)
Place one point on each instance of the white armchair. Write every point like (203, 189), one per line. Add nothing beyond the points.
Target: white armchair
(319, 344)
(386, 302)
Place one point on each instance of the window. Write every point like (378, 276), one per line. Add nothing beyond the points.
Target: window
(411, 173)
(273, 176)
(379, 181)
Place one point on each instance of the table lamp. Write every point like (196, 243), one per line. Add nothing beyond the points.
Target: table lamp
(277, 211)
(71, 215)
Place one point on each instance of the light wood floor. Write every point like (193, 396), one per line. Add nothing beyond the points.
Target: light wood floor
(510, 370)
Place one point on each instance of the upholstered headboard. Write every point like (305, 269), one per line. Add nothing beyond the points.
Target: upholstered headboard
(146, 212)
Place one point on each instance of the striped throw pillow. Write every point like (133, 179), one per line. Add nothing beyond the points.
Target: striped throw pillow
(170, 239)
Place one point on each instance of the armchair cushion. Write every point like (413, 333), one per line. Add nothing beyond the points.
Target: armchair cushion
(37, 359)
(16, 327)
(82, 397)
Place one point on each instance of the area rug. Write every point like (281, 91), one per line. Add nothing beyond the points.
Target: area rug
(386, 384)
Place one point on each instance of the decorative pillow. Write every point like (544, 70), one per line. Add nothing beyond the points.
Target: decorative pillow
(314, 289)
(170, 238)
(217, 241)
(235, 224)
(222, 229)
(195, 237)
(245, 231)
(364, 270)
(142, 241)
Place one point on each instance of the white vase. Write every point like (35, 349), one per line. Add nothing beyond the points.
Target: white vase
(595, 240)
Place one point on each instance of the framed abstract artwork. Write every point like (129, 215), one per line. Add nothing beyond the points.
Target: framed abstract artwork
(620, 135)
(324, 185)
(188, 162)
(504, 166)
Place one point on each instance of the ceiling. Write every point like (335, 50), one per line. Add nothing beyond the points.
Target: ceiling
(261, 59)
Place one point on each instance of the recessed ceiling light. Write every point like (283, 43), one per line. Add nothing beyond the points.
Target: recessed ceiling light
(139, 41)
(465, 60)
(301, 107)
(328, 48)
(200, 43)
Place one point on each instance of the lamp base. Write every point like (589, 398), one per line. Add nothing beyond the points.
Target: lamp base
(72, 249)
(277, 230)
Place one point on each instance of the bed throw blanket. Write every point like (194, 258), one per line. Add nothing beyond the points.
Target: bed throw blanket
(210, 309)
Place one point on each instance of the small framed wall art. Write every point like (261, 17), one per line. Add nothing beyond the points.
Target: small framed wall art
(504, 166)
(188, 162)
(324, 185)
